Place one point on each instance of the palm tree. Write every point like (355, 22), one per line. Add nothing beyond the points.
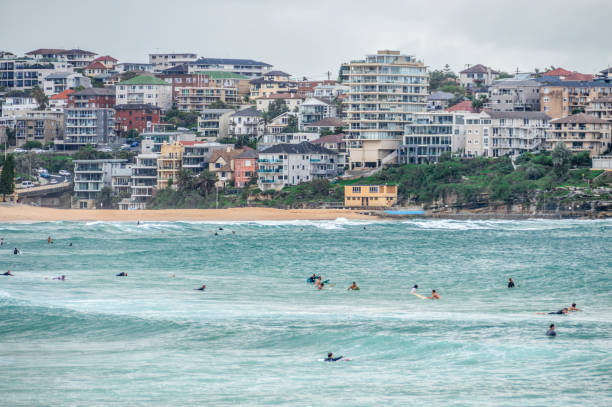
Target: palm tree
(205, 182)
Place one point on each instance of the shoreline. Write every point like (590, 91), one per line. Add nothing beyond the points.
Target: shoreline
(17, 213)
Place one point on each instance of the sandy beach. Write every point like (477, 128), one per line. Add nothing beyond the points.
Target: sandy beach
(13, 213)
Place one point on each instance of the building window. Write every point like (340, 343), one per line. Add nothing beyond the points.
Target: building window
(356, 190)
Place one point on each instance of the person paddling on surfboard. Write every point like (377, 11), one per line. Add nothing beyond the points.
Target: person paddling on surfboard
(122, 274)
(353, 287)
(510, 284)
(434, 295)
(330, 358)
(203, 288)
(8, 273)
(413, 289)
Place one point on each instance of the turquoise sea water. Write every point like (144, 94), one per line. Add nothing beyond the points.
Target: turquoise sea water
(258, 335)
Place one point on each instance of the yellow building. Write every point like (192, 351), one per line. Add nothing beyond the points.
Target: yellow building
(169, 164)
(580, 132)
(271, 83)
(564, 99)
(370, 196)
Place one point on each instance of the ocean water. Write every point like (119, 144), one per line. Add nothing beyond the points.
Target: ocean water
(258, 334)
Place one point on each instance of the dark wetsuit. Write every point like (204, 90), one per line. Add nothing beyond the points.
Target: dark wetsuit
(333, 359)
(15, 251)
(7, 274)
(511, 284)
(560, 312)
(551, 332)
(122, 274)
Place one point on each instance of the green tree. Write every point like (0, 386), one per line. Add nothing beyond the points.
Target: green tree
(561, 158)
(39, 95)
(503, 75)
(28, 145)
(277, 107)
(478, 103)
(105, 199)
(218, 104)
(438, 78)
(7, 178)
(185, 180)
(205, 182)
(292, 125)
(11, 136)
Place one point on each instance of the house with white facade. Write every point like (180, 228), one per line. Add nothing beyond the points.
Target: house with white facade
(16, 102)
(246, 67)
(514, 133)
(145, 89)
(314, 110)
(57, 82)
(245, 122)
(90, 176)
(477, 76)
(272, 139)
(291, 164)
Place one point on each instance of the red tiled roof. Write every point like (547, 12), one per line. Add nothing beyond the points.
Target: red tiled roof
(581, 77)
(580, 118)
(105, 58)
(328, 122)
(330, 138)
(557, 72)
(190, 143)
(63, 95)
(465, 106)
(95, 65)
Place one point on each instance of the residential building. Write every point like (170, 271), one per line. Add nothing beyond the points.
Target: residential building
(307, 88)
(40, 128)
(384, 88)
(245, 67)
(292, 100)
(153, 141)
(605, 74)
(514, 133)
(271, 83)
(601, 107)
(315, 109)
(603, 162)
(292, 164)
(476, 130)
(197, 154)
(463, 106)
(144, 179)
(57, 82)
(245, 167)
(121, 180)
(337, 144)
(370, 196)
(97, 70)
(90, 176)
(580, 132)
(272, 139)
(136, 116)
(214, 123)
(223, 165)
(439, 100)
(18, 101)
(477, 76)
(87, 125)
(169, 164)
(565, 75)
(245, 123)
(510, 95)
(277, 124)
(133, 67)
(76, 58)
(220, 87)
(60, 101)
(329, 91)
(103, 98)
(328, 124)
(24, 73)
(160, 62)
(108, 61)
(563, 98)
(144, 89)
(426, 136)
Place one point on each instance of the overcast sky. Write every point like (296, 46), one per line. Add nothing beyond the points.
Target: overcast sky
(310, 37)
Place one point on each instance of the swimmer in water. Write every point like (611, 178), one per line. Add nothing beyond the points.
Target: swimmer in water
(63, 277)
(551, 331)
(330, 358)
(353, 287)
(312, 278)
(320, 287)
(70, 244)
(8, 273)
(49, 240)
(413, 289)
(562, 311)
(510, 284)
(16, 251)
(434, 295)
(573, 308)
(122, 274)
(203, 288)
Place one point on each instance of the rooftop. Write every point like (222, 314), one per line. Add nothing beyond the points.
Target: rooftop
(464, 106)
(439, 95)
(105, 58)
(222, 75)
(62, 95)
(144, 80)
(580, 118)
(136, 106)
(330, 138)
(251, 111)
(41, 51)
(276, 73)
(478, 68)
(302, 148)
(96, 92)
(96, 65)
(328, 122)
(518, 115)
(228, 61)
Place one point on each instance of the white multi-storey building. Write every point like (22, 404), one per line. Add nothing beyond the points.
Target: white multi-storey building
(269, 140)
(25, 73)
(292, 164)
(315, 109)
(85, 126)
(514, 133)
(90, 176)
(246, 67)
(57, 82)
(383, 89)
(159, 62)
(245, 123)
(144, 180)
(144, 89)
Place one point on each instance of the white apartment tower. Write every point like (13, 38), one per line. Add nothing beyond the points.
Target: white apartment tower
(383, 90)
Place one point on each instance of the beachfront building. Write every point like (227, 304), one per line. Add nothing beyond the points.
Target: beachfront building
(159, 62)
(245, 167)
(476, 130)
(580, 132)
(313, 110)
(563, 98)
(83, 126)
(145, 90)
(514, 133)
(121, 180)
(244, 67)
(601, 107)
(292, 164)
(512, 95)
(384, 88)
(169, 164)
(144, 180)
(370, 196)
(427, 135)
(90, 176)
(337, 144)
(245, 123)
(477, 76)
(41, 128)
(214, 123)
(272, 139)
(197, 154)
(223, 165)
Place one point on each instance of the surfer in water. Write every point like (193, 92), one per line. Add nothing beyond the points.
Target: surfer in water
(122, 274)
(312, 278)
(562, 311)
(574, 308)
(49, 240)
(434, 295)
(330, 358)
(203, 288)
(16, 251)
(353, 287)
(510, 284)
(551, 331)
(8, 273)
(63, 277)
(413, 289)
